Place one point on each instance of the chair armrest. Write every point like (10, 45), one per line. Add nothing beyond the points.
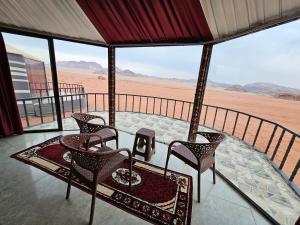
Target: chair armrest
(174, 142)
(177, 141)
(113, 128)
(101, 118)
(74, 141)
(125, 150)
(94, 135)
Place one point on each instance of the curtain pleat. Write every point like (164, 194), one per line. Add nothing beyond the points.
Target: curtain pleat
(10, 121)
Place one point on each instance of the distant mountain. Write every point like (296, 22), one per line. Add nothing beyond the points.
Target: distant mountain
(270, 89)
(80, 65)
(214, 84)
(266, 89)
(277, 91)
(236, 87)
(93, 66)
(128, 72)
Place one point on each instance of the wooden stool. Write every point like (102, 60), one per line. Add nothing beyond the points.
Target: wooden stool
(145, 137)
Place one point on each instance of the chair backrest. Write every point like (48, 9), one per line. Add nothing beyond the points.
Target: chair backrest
(82, 120)
(78, 144)
(83, 117)
(212, 136)
(203, 150)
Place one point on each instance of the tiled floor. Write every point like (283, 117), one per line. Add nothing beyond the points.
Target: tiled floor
(30, 196)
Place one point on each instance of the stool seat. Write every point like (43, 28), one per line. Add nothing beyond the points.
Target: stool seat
(145, 132)
(144, 137)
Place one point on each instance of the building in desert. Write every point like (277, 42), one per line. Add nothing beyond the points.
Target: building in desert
(30, 81)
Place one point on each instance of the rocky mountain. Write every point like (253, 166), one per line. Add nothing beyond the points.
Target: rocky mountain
(266, 89)
(270, 89)
(214, 84)
(236, 87)
(80, 65)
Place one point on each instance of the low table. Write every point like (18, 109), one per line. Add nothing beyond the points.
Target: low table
(144, 137)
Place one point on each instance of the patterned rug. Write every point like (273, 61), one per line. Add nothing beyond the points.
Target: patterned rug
(152, 198)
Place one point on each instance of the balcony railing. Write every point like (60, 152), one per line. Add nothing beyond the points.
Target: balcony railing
(43, 89)
(274, 140)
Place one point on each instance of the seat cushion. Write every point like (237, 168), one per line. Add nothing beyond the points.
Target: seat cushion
(183, 153)
(106, 134)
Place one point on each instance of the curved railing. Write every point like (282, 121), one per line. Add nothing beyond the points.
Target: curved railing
(280, 145)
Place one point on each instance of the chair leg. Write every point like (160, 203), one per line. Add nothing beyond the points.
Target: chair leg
(214, 173)
(69, 185)
(134, 145)
(93, 205)
(153, 145)
(199, 185)
(148, 149)
(166, 167)
(117, 142)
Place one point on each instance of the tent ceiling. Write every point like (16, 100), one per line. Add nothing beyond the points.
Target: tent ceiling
(232, 17)
(60, 18)
(148, 21)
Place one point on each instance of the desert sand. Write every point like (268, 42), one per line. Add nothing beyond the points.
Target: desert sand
(285, 112)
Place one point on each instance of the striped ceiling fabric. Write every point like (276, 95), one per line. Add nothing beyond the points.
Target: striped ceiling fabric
(61, 18)
(229, 17)
(149, 21)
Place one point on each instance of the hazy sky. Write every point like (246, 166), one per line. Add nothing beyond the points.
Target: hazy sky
(268, 56)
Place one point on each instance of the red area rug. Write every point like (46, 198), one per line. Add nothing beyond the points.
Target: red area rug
(152, 198)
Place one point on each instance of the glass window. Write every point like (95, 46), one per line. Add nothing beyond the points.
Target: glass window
(32, 79)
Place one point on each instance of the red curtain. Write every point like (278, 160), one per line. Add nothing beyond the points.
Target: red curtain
(10, 121)
(148, 21)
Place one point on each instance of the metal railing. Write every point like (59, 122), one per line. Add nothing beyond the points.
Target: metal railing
(274, 140)
(42, 89)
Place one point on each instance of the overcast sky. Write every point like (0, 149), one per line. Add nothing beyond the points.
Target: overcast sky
(268, 56)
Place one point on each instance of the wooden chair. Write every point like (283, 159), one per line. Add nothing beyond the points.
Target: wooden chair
(107, 133)
(92, 167)
(200, 156)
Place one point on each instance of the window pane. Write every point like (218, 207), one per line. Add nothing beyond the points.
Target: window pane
(156, 80)
(32, 79)
(82, 77)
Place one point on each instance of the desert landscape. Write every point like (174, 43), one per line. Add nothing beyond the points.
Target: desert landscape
(283, 111)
